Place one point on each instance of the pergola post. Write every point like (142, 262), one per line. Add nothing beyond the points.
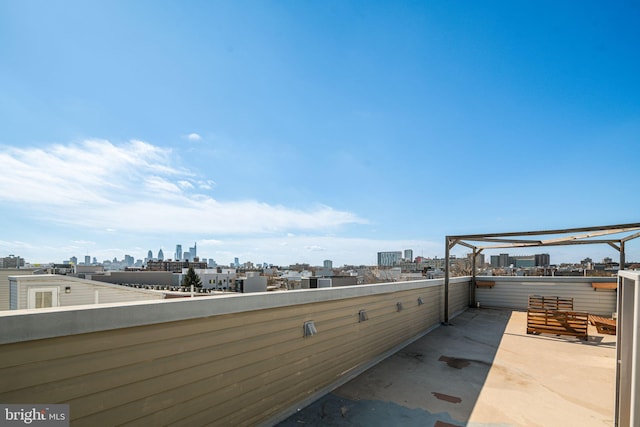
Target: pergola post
(446, 280)
(472, 293)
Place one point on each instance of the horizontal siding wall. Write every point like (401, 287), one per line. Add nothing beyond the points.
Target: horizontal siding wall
(4, 283)
(513, 292)
(81, 291)
(458, 297)
(110, 295)
(240, 368)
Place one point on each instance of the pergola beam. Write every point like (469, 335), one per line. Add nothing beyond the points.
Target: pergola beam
(499, 240)
(631, 237)
(620, 227)
(614, 246)
(587, 236)
(558, 243)
(467, 245)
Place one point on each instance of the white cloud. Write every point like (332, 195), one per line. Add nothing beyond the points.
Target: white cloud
(83, 242)
(160, 185)
(210, 242)
(134, 187)
(185, 185)
(206, 185)
(8, 246)
(194, 137)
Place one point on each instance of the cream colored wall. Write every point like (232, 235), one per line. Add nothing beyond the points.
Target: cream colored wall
(4, 283)
(458, 297)
(81, 291)
(513, 292)
(240, 368)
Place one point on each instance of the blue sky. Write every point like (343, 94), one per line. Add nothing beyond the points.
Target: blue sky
(288, 131)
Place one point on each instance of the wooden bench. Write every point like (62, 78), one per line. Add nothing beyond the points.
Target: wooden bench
(550, 303)
(604, 285)
(484, 284)
(544, 321)
(603, 325)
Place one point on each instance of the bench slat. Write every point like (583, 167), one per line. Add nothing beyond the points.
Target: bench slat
(603, 325)
(557, 322)
(550, 303)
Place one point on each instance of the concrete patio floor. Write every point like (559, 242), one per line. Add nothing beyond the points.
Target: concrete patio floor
(481, 370)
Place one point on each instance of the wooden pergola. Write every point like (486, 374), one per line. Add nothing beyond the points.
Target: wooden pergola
(615, 236)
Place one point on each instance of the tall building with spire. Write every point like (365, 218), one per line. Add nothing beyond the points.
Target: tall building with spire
(160, 255)
(193, 251)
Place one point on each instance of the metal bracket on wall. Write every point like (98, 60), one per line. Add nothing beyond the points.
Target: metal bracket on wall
(310, 328)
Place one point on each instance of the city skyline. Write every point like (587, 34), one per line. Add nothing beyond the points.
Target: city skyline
(488, 260)
(298, 132)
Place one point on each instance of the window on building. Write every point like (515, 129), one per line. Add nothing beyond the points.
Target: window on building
(43, 297)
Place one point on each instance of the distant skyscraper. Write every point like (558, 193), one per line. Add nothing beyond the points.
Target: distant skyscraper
(149, 254)
(73, 260)
(160, 255)
(523, 261)
(504, 260)
(327, 269)
(87, 259)
(178, 252)
(388, 259)
(543, 260)
(193, 251)
(408, 255)
(11, 261)
(236, 262)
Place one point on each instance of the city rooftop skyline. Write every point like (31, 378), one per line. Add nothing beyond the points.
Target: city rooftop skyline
(295, 132)
(515, 252)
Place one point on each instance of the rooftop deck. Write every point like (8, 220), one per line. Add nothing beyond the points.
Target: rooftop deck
(377, 356)
(482, 370)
